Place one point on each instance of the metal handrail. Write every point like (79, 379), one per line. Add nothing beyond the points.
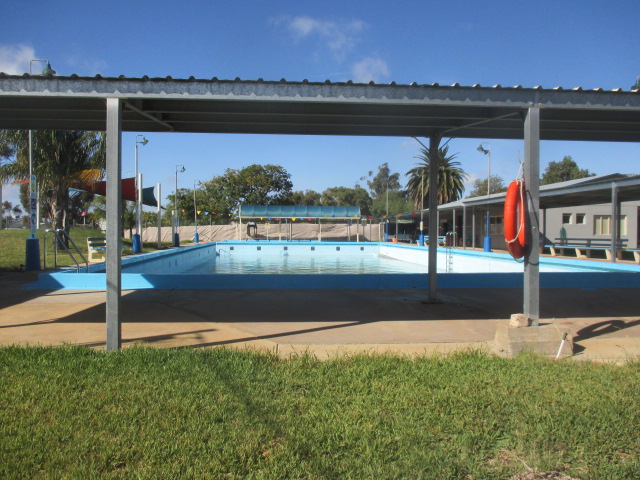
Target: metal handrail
(60, 235)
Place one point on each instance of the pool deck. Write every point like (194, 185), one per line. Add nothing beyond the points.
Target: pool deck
(604, 324)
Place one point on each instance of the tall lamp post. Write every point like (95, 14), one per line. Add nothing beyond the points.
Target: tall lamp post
(32, 247)
(176, 235)
(137, 244)
(421, 237)
(196, 237)
(487, 238)
(386, 223)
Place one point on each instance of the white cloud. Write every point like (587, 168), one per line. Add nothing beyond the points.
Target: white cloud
(468, 184)
(80, 64)
(370, 69)
(339, 37)
(14, 59)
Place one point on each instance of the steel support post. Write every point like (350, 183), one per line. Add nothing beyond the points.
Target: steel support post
(531, 307)
(473, 228)
(453, 223)
(464, 226)
(159, 217)
(615, 222)
(114, 215)
(434, 143)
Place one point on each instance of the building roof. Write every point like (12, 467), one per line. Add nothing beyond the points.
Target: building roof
(583, 191)
(328, 108)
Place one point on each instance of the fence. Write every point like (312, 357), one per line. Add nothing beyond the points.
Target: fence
(337, 232)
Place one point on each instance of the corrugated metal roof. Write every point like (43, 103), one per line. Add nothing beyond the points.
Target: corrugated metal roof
(317, 108)
(236, 80)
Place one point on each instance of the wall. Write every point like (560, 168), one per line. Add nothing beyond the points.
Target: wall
(300, 231)
(552, 222)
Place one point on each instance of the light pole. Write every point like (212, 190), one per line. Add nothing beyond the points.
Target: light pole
(386, 223)
(176, 235)
(421, 237)
(196, 237)
(487, 238)
(137, 244)
(32, 248)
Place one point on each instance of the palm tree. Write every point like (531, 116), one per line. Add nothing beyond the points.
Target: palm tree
(61, 159)
(450, 178)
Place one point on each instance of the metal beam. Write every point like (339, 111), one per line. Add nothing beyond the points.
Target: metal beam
(434, 143)
(114, 193)
(531, 306)
(150, 116)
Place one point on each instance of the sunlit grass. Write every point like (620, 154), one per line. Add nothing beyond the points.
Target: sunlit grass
(12, 247)
(147, 413)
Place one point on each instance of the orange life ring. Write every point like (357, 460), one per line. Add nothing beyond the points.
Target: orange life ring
(515, 219)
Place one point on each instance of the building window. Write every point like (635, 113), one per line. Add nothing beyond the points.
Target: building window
(602, 224)
(566, 218)
(580, 218)
(495, 226)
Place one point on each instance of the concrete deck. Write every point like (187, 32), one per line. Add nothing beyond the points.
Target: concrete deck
(604, 324)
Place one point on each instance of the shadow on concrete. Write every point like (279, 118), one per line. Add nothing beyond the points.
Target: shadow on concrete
(603, 328)
(310, 311)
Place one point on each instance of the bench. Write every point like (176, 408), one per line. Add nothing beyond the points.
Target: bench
(96, 246)
(636, 253)
(587, 245)
(441, 240)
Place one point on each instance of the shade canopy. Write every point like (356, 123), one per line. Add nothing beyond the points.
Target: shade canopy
(286, 211)
(314, 108)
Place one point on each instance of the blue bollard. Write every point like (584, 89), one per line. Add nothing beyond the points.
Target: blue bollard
(176, 239)
(32, 256)
(487, 244)
(196, 238)
(137, 244)
(421, 240)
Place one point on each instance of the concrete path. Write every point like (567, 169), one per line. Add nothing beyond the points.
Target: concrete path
(604, 324)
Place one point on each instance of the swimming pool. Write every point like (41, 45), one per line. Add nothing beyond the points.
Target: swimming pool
(345, 259)
(335, 265)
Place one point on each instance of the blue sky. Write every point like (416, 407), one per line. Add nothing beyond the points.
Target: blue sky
(586, 43)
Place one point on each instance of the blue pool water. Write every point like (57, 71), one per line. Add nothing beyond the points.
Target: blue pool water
(340, 265)
(348, 259)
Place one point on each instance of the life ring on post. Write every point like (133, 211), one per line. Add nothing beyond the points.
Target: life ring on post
(515, 219)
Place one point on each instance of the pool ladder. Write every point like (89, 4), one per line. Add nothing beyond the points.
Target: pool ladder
(451, 240)
(61, 238)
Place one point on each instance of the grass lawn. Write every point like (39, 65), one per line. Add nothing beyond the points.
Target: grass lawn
(12, 247)
(149, 413)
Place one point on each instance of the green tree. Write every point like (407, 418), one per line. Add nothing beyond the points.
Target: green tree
(60, 160)
(383, 180)
(99, 213)
(450, 178)
(257, 185)
(223, 195)
(386, 192)
(8, 210)
(305, 198)
(348, 197)
(480, 186)
(396, 202)
(563, 171)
